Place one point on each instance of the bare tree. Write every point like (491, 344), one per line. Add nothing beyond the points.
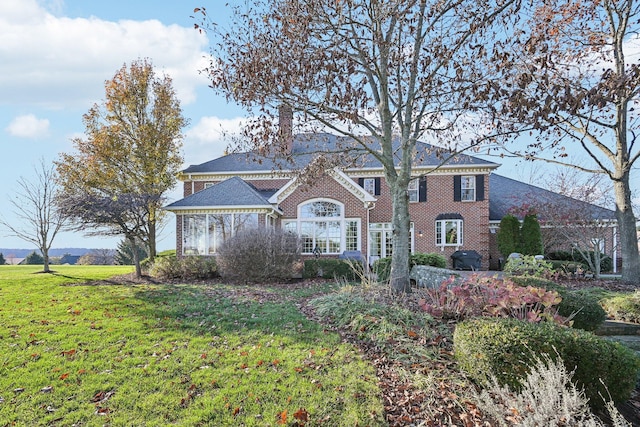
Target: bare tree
(384, 73)
(573, 79)
(38, 218)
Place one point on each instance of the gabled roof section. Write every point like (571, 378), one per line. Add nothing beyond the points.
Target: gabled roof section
(233, 192)
(307, 147)
(336, 174)
(506, 193)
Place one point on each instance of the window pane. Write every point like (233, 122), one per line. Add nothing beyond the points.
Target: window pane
(320, 210)
(245, 222)
(193, 232)
(375, 243)
(352, 236)
(451, 232)
(307, 237)
(213, 245)
(369, 185)
(468, 188)
(438, 232)
(333, 237)
(413, 190)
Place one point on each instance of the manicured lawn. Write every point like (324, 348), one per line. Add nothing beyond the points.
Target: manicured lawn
(82, 354)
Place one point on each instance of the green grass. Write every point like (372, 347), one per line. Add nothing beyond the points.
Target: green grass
(157, 355)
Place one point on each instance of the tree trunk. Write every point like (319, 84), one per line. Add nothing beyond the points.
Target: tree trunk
(45, 257)
(152, 238)
(399, 276)
(628, 233)
(136, 257)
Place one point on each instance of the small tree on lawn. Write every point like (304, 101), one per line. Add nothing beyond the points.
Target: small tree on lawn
(531, 236)
(38, 218)
(508, 235)
(34, 259)
(2, 260)
(126, 253)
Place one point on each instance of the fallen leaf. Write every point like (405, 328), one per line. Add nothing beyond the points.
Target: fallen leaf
(282, 417)
(47, 389)
(64, 376)
(301, 415)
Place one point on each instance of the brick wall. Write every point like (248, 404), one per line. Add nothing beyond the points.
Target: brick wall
(440, 200)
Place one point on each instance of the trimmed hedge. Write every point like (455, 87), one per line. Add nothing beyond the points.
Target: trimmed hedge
(188, 267)
(505, 349)
(589, 314)
(624, 307)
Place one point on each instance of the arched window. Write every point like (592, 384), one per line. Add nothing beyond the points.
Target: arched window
(323, 228)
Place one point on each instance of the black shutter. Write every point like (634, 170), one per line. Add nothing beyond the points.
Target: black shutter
(377, 190)
(361, 182)
(422, 189)
(479, 188)
(457, 188)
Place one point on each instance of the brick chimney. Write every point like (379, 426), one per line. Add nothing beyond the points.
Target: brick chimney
(285, 123)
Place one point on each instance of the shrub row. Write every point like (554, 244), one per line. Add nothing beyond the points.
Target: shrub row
(606, 263)
(185, 268)
(506, 348)
(330, 268)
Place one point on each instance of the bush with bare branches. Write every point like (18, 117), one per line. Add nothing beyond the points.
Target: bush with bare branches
(260, 255)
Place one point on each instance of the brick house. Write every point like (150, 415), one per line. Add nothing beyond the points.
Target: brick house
(452, 206)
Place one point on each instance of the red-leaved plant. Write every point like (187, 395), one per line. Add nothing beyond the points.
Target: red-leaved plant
(492, 297)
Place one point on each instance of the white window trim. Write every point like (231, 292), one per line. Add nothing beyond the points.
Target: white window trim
(341, 219)
(472, 180)
(443, 238)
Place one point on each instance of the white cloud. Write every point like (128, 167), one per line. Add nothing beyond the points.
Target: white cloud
(59, 62)
(209, 138)
(28, 126)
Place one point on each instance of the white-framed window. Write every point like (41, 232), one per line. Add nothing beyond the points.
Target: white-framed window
(202, 234)
(414, 190)
(208, 184)
(369, 185)
(468, 188)
(381, 240)
(323, 228)
(449, 232)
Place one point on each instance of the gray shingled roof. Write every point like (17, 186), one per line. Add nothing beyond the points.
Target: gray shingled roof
(506, 193)
(231, 192)
(308, 146)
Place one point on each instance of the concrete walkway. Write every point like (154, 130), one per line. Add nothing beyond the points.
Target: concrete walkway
(625, 333)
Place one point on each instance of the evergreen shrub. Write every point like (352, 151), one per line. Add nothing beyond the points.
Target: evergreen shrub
(508, 235)
(506, 348)
(530, 236)
(329, 268)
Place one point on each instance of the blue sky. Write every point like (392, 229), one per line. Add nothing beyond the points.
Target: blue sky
(54, 59)
(55, 56)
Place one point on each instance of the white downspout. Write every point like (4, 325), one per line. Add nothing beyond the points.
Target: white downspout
(615, 249)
